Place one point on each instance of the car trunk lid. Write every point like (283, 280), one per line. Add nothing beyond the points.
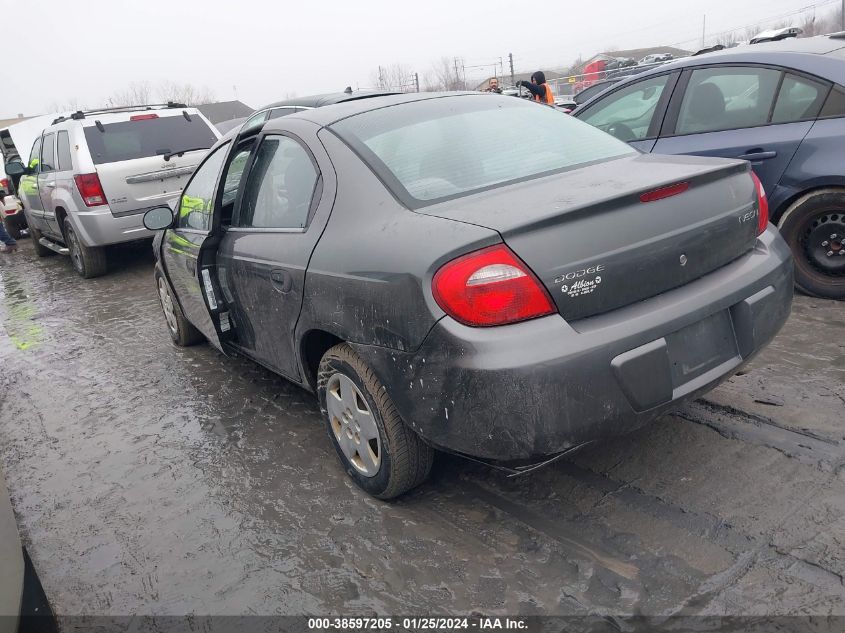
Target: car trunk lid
(597, 246)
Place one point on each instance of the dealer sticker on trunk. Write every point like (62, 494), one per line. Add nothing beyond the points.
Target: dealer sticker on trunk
(577, 283)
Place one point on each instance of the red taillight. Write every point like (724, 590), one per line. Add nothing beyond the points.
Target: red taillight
(90, 189)
(490, 287)
(664, 192)
(142, 117)
(762, 203)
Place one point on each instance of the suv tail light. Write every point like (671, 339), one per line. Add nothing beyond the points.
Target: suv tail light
(142, 117)
(90, 189)
(762, 203)
(491, 286)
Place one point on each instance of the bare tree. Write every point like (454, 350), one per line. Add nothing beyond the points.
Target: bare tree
(445, 74)
(137, 93)
(68, 105)
(184, 93)
(396, 77)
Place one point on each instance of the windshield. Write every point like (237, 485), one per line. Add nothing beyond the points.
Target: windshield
(127, 140)
(446, 147)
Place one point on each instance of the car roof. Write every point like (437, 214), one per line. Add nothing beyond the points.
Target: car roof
(327, 115)
(318, 101)
(809, 54)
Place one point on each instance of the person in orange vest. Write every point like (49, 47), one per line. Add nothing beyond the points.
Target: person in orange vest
(538, 87)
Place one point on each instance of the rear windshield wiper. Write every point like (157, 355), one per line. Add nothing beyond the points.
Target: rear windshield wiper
(169, 155)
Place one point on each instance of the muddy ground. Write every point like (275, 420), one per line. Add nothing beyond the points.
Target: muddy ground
(149, 479)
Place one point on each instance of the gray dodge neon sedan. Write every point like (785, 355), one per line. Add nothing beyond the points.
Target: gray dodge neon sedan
(470, 273)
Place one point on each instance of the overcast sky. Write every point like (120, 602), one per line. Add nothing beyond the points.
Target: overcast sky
(261, 51)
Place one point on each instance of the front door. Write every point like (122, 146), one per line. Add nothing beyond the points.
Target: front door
(634, 112)
(28, 189)
(265, 253)
(189, 251)
(753, 113)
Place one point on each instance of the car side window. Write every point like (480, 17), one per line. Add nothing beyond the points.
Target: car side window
(233, 176)
(627, 112)
(280, 112)
(280, 186)
(727, 99)
(48, 153)
(254, 122)
(63, 151)
(835, 104)
(799, 99)
(197, 202)
(33, 154)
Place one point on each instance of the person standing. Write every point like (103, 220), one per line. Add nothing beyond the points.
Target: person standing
(494, 86)
(540, 90)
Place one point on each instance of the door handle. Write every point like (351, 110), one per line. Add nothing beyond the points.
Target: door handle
(49, 185)
(281, 280)
(755, 155)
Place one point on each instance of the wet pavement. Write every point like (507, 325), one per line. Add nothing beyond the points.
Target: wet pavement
(149, 479)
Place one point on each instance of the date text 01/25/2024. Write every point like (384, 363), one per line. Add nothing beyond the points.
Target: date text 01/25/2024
(416, 624)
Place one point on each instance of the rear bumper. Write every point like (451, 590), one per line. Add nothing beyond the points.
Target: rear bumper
(536, 388)
(98, 227)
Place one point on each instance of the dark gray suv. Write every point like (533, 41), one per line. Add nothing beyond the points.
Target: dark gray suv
(441, 282)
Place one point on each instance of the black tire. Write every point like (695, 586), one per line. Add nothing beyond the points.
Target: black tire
(182, 332)
(40, 250)
(814, 228)
(405, 460)
(88, 261)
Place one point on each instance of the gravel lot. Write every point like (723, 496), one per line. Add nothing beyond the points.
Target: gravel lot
(149, 479)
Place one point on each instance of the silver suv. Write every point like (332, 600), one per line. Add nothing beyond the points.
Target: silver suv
(92, 175)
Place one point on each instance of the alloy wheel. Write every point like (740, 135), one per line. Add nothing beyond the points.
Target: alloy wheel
(75, 253)
(167, 306)
(353, 425)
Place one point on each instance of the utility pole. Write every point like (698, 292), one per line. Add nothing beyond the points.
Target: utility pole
(843, 15)
(510, 61)
(703, 29)
(380, 78)
(417, 81)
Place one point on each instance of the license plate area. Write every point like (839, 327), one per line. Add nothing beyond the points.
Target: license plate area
(701, 347)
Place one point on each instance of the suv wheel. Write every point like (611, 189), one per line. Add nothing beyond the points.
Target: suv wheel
(40, 249)
(814, 228)
(181, 330)
(88, 261)
(378, 450)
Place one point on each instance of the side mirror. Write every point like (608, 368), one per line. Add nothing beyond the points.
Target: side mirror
(158, 218)
(15, 168)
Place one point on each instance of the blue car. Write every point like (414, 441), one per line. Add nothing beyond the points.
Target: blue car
(779, 105)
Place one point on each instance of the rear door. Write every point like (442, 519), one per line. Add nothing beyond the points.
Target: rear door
(47, 182)
(129, 157)
(755, 113)
(280, 213)
(634, 112)
(189, 252)
(63, 178)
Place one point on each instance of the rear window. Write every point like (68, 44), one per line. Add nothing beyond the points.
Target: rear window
(443, 148)
(148, 137)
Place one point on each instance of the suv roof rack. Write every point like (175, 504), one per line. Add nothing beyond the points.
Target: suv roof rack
(81, 114)
(837, 36)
